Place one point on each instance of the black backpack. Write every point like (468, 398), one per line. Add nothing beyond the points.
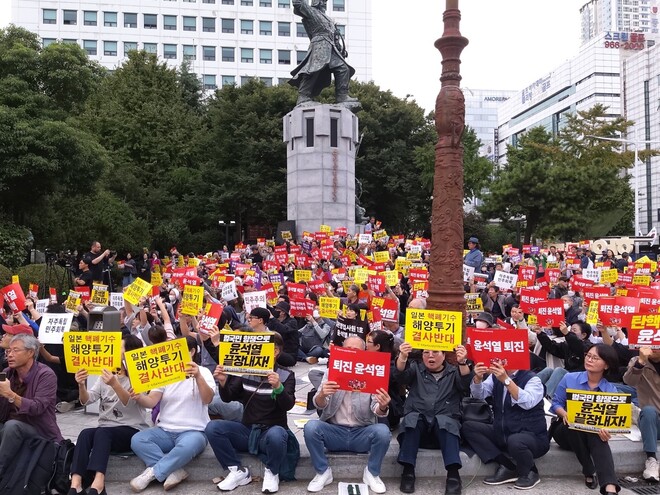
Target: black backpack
(60, 480)
(30, 469)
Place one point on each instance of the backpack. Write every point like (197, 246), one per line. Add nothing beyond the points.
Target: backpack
(30, 469)
(60, 480)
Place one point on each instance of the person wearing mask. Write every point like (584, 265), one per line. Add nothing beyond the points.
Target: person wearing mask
(591, 449)
(560, 289)
(643, 373)
(518, 434)
(314, 338)
(287, 327)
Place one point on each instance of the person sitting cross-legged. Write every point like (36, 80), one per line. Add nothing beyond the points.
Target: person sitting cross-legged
(348, 423)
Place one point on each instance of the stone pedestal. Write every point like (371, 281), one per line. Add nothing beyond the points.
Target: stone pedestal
(321, 143)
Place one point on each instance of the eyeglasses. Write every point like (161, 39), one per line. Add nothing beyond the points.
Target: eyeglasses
(592, 357)
(14, 350)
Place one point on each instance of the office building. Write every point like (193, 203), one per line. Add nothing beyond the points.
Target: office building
(225, 41)
(630, 16)
(481, 115)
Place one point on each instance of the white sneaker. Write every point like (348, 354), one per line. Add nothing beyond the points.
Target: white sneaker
(374, 483)
(236, 477)
(142, 481)
(323, 360)
(319, 481)
(651, 470)
(271, 482)
(175, 478)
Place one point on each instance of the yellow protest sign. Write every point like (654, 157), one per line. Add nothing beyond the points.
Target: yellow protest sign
(139, 288)
(286, 235)
(402, 265)
(346, 284)
(72, 302)
(380, 234)
(351, 255)
(382, 256)
(414, 256)
(100, 294)
(532, 320)
(157, 365)
(180, 262)
(192, 300)
(329, 307)
(592, 411)
(325, 228)
(361, 276)
(246, 352)
(592, 313)
(641, 280)
(270, 243)
(609, 276)
(14, 279)
(302, 275)
(433, 329)
(92, 351)
(473, 303)
(193, 262)
(552, 264)
(391, 277)
(156, 279)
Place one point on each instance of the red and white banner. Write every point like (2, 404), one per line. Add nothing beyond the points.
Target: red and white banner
(491, 345)
(359, 371)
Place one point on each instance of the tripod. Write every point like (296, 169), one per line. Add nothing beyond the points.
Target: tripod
(50, 276)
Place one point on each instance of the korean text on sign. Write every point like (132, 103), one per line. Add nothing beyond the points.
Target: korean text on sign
(192, 300)
(139, 288)
(247, 352)
(53, 326)
(592, 411)
(92, 351)
(359, 371)
(157, 365)
(433, 330)
(492, 345)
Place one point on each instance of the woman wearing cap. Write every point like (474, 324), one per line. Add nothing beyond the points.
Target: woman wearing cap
(474, 257)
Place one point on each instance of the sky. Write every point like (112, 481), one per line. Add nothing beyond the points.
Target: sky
(512, 43)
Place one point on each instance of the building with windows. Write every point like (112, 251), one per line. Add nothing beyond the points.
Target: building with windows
(593, 76)
(601, 16)
(225, 41)
(481, 115)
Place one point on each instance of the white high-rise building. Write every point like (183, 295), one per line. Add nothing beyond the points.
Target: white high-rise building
(602, 16)
(481, 115)
(226, 41)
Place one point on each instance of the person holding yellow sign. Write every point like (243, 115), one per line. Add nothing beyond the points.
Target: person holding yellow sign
(179, 436)
(591, 449)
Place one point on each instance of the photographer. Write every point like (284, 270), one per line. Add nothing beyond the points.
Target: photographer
(98, 260)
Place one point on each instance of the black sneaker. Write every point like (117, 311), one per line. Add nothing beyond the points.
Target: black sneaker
(407, 483)
(501, 476)
(527, 482)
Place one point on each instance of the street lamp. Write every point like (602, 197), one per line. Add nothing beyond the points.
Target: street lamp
(636, 144)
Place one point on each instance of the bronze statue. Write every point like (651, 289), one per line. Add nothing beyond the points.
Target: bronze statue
(326, 55)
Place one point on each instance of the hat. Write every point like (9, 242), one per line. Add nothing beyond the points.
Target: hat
(283, 306)
(87, 259)
(18, 329)
(486, 317)
(262, 313)
(474, 240)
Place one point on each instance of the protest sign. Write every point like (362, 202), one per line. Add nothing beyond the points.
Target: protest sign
(617, 311)
(382, 256)
(156, 279)
(138, 289)
(317, 287)
(302, 275)
(41, 305)
(92, 351)
(592, 274)
(508, 348)
(468, 273)
(594, 292)
(391, 277)
(356, 370)
(229, 292)
(347, 327)
(33, 291)
(256, 299)
(301, 307)
(644, 331)
(296, 291)
(433, 330)
(473, 303)
(592, 411)
(609, 276)
(192, 300)
(247, 353)
(644, 280)
(505, 280)
(157, 365)
(53, 326)
(14, 296)
(329, 307)
(376, 283)
(100, 295)
(117, 300)
(592, 313)
(389, 308)
(72, 302)
(211, 317)
(530, 297)
(549, 313)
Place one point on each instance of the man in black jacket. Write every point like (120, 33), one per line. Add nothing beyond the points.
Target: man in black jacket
(287, 327)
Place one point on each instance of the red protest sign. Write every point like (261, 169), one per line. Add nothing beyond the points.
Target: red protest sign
(269, 265)
(359, 371)
(296, 291)
(506, 347)
(591, 293)
(549, 313)
(317, 287)
(376, 283)
(302, 260)
(624, 279)
(14, 296)
(579, 283)
(649, 299)
(301, 307)
(85, 293)
(418, 274)
(529, 298)
(527, 274)
(375, 319)
(211, 317)
(644, 337)
(33, 291)
(617, 311)
(389, 308)
(553, 275)
(52, 292)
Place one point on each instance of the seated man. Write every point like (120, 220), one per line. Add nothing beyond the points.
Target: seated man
(432, 407)
(644, 374)
(348, 423)
(27, 399)
(518, 434)
(266, 400)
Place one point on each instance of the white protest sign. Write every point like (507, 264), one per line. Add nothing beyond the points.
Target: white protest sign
(253, 300)
(364, 238)
(506, 267)
(468, 272)
(504, 280)
(592, 274)
(229, 292)
(117, 300)
(41, 305)
(53, 326)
